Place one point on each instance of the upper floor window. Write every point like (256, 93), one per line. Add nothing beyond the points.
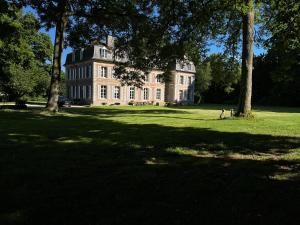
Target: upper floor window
(103, 72)
(158, 94)
(103, 53)
(182, 66)
(190, 80)
(158, 78)
(146, 93)
(131, 93)
(181, 80)
(117, 92)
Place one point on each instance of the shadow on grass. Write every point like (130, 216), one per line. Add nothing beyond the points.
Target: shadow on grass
(228, 107)
(93, 111)
(83, 170)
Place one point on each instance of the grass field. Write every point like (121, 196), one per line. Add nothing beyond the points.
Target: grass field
(149, 165)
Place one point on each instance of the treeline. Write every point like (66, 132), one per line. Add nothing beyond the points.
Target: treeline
(276, 79)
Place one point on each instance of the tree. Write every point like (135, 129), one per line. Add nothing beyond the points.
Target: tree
(203, 80)
(244, 106)
(23, 53)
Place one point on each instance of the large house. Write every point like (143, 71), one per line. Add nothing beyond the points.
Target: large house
(90, 80)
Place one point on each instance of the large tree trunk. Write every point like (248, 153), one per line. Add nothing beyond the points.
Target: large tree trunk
(52, 104)
(244, 106)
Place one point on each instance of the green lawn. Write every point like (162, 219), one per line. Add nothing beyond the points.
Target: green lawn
(149, 165)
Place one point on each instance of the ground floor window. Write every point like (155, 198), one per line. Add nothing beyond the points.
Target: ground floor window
(181, 95)
(103, 91)
(158, 94)
(117, 92)
(190, 94)
(131, 93)
(146, 93)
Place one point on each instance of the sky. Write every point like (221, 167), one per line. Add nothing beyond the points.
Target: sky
(212, 49)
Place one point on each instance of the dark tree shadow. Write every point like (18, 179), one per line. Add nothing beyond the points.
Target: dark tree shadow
(86, 170)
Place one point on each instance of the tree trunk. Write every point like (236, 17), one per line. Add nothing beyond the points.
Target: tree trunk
(52, 104)
(244, 106)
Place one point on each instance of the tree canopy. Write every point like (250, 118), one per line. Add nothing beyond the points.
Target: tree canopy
(24, 52)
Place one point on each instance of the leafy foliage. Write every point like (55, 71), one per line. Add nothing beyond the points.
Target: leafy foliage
(24, 52)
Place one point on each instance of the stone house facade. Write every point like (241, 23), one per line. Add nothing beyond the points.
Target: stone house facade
(90, 80)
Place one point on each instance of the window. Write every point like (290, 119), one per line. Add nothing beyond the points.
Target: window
(189, 66)
(117, 91)
(103, 91)
(181, 81)
(88, 92)
(74, 92)
(103, 53)
(79, 72)
(158, 94)
(113, 75)
(75, 73)
(146, 93)
(182, 66)
(180, 94)
(146, 77)
(190, 80)
(185, 95)
(190, 94)
(73, 56)
(89, 71)
(132, 93)
(103, 72)
(84, 92)
(81, 54)
(158, 78)
(71, 92)
(78, 89)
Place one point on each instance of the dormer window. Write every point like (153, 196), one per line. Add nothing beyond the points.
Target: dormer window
(103, 53)
(73, 56)
(146, 77)
(189, 66)
(182, 66)
(81, 54)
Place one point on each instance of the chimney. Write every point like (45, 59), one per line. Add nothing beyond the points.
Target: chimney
(110, 41)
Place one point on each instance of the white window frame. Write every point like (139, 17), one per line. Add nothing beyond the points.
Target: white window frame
(132, 93)
(158, 94)
(103, 53)
(146, 93)
(103, 91)
(117, 92)
(104, 74)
